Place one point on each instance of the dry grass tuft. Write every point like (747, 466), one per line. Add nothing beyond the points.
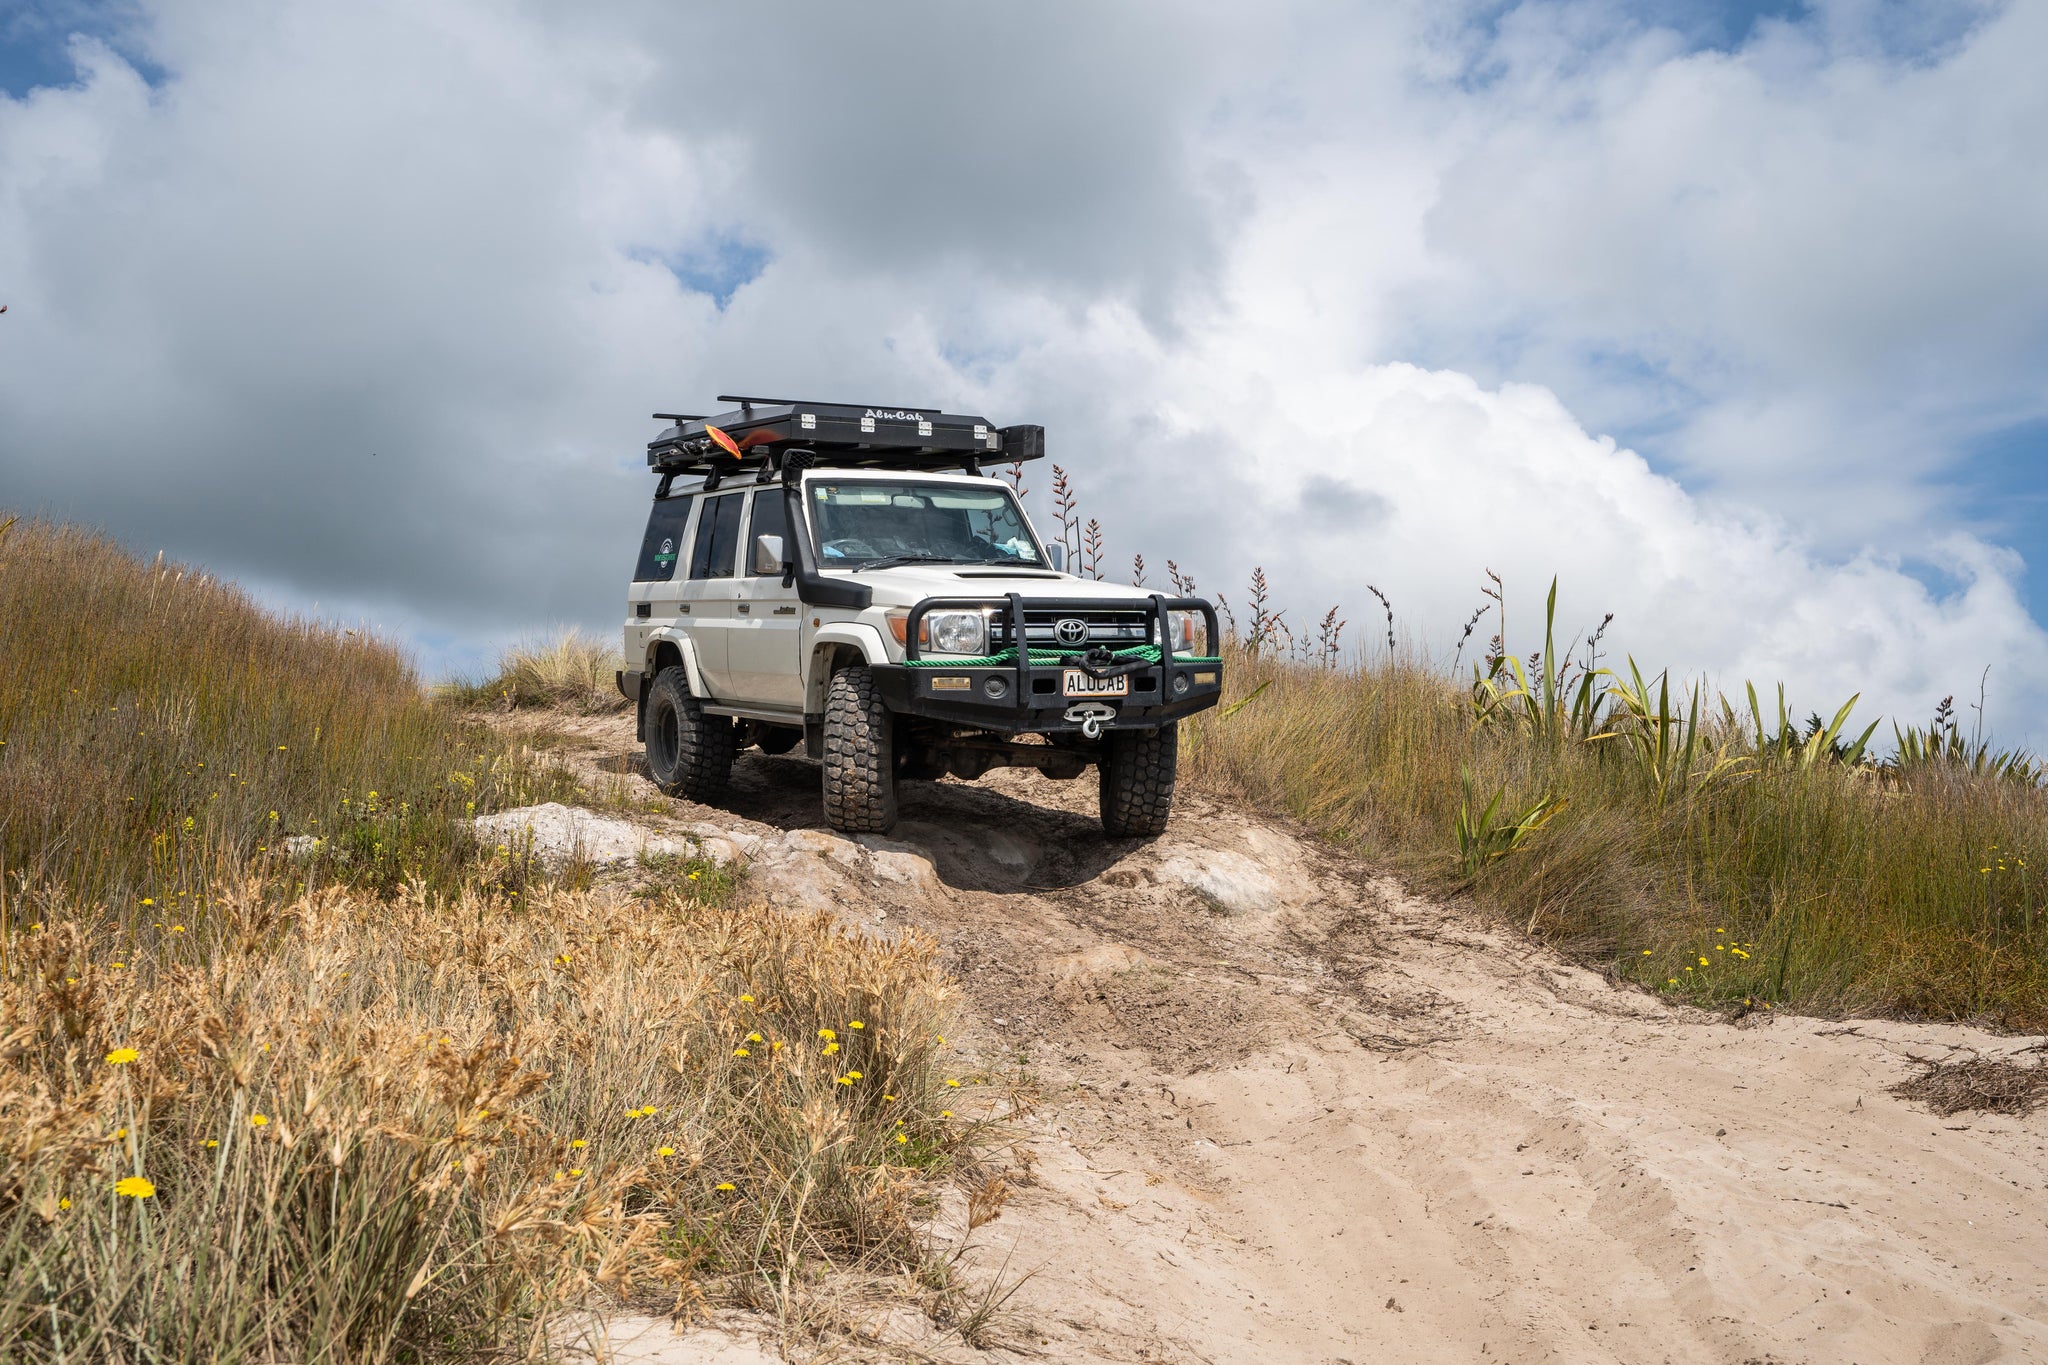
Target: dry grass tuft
(377, 1128)
(391, 1096)
(568, 670)
(1987, 1085)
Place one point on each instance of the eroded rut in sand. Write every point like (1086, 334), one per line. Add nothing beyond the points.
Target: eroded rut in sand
(1294, 1114)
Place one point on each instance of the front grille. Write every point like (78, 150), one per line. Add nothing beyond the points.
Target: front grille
(1118, 628)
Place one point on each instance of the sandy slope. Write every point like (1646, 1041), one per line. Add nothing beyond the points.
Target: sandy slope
(1293, 1114)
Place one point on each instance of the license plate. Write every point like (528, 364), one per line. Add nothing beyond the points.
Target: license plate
(1079, 683)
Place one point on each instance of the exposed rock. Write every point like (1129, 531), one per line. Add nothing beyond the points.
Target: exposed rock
(1229, 881)
(556, 833)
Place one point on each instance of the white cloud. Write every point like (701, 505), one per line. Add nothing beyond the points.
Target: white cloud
(369, 307)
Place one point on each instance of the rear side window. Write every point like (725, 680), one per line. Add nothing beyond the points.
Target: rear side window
(771, 518)
(664, 540)
(718, 538)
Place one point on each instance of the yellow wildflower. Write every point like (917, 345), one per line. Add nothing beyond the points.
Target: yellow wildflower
(827, 1034)
(664, 1151)
(741, 1052)
(121, 1056)
(258, 1120)
(726, 1185)
(831, 1048)
(134, 1187)
(578, 1142)
(856, 1024)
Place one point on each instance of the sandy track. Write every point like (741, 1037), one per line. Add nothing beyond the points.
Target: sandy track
(1293, 1114)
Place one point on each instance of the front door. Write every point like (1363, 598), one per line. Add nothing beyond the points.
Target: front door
(708, 595)
(767, 617)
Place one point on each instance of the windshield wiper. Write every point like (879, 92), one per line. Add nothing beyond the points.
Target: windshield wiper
(893, 560)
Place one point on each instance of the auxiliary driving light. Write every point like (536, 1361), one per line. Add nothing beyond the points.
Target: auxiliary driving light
(995, 689)
(1180, 685)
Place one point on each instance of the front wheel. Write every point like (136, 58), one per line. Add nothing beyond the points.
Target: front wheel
(1137, 770)
(860, 755)
(688, 753)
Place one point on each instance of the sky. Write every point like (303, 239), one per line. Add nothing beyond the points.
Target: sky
(1730, 316)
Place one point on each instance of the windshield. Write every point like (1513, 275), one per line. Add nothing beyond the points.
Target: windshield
(867, 524)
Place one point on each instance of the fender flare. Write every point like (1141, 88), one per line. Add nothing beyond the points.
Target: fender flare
(687, 649)
(839, 635)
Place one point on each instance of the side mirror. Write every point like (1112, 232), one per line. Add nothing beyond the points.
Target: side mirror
(1056, 555)
(767, 555)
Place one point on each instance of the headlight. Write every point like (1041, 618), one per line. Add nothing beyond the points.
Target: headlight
(958, 632)
(1189, 631)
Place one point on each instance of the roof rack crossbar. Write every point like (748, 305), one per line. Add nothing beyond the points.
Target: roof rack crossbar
(814, 402)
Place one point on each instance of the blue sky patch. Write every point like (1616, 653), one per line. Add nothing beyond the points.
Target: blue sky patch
(35, 41)
(720, 266)
(2006, 483)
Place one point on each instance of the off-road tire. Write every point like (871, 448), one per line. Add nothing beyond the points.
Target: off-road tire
(860, 755)
(779, 739)
(1137, 771)
(688, 753)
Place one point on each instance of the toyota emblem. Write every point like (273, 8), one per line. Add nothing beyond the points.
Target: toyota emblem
(1071, 631)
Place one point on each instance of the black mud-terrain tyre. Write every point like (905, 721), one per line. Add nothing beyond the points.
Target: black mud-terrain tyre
(688, 753)
(1137, 771)
(860, 755)
(778, 739)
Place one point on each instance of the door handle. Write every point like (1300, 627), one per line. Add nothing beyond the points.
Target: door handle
(744, 608)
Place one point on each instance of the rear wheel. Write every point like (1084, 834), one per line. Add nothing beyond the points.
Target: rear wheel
(1137, 770)
(688, 753)
(860, 755)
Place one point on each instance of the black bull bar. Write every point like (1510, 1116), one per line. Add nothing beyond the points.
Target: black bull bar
(1096, 661)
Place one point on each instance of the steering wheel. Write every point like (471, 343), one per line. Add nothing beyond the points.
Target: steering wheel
(850, 547)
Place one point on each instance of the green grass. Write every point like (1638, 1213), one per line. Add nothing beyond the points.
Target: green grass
(1714, 854)
(159, 732)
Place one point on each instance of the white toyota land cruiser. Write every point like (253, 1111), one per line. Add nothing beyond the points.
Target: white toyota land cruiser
(846, 578)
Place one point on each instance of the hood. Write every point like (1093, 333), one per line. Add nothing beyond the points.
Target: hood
(906, 585)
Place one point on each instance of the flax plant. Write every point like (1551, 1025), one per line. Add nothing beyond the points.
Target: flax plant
(1715, 861)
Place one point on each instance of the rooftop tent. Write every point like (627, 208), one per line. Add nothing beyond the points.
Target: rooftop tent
(839, 435)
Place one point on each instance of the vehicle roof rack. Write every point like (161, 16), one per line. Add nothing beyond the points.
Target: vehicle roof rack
(840, 435)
